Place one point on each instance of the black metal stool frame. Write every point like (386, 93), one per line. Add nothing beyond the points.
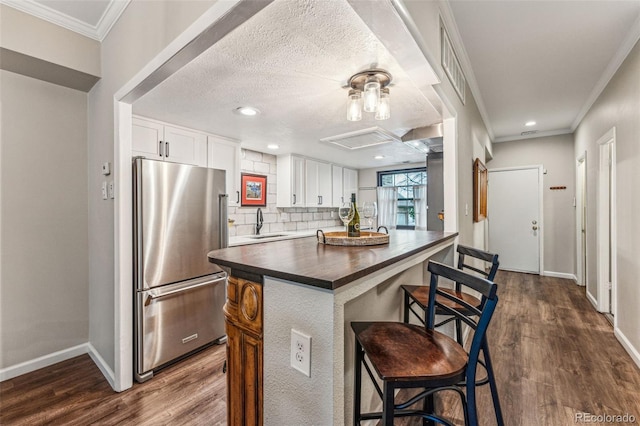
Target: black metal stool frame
(466, 380)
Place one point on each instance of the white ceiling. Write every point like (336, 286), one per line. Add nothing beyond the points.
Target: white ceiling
(544, 61)
(524, 60)
(292, 61)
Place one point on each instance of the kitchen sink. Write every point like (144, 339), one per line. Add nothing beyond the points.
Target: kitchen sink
(260, 237)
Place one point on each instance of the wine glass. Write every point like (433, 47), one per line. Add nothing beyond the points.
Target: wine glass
(369, 211)
(346, 213)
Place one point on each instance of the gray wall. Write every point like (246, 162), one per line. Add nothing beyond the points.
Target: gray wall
(43, 220)
(556, 155)
(619, 106)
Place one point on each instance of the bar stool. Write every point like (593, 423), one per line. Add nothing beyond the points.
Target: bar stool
(417, 296)
(410, 356)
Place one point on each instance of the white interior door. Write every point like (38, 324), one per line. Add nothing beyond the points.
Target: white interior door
(581, 221)
(515, 219)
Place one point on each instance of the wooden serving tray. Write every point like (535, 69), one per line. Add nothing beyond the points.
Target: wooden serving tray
(366, 238)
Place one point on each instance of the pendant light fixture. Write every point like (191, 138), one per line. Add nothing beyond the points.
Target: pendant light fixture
(370, 85)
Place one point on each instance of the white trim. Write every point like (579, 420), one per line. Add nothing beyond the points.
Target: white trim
(626, 344)
(98, 32)
(43, 361)
(606, 221)
(592, 299)
(564, 275)
(580, 256)
(101, 364)
(617, 60)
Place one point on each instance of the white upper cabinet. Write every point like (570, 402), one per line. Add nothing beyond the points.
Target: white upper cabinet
(224, 154)
(318, 184)
(290, 181)
(349, 183)
(336, 186)
(156, 140)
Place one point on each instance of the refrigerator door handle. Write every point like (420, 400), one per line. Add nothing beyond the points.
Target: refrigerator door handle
(153, 296)
(224, 226)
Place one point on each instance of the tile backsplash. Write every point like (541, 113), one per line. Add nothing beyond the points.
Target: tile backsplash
(275, 219)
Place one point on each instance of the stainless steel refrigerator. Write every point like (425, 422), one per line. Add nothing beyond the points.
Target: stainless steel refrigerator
(180, 214)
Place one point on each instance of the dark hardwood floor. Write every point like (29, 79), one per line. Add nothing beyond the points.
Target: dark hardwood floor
(554, 356)
(74, 392)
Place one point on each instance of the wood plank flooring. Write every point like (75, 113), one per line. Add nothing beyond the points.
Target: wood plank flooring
(554, 355)
(74, 392)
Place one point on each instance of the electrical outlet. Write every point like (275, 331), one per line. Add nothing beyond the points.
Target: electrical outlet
(110, 190)
(301, 352)
(104, 190)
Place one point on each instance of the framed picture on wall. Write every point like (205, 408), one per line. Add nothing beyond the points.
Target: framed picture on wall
(254, 190)
(479, 191)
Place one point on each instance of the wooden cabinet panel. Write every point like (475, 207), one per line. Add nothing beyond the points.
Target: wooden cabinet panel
(243, 320)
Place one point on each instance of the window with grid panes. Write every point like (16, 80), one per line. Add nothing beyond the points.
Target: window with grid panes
(404, 180)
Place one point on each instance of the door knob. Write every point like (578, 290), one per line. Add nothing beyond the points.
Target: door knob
(535, 228)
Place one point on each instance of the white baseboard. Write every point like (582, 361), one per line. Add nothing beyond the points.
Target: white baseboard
(560, 275)
(593, 300)
(626, 344)
(43, 361)
(106, 371)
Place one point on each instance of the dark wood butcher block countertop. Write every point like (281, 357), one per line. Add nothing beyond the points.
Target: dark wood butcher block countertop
(304, 260)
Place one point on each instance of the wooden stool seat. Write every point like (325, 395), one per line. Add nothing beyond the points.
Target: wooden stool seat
(401, 351)
(420, 294)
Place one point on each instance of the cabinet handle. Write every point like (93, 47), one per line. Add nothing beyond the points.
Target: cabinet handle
(294, 198)
(238, 197)
(319, 200)
(166, 150)
(160, 148)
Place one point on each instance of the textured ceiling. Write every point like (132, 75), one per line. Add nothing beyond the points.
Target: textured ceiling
(543, 60)
(291, 61)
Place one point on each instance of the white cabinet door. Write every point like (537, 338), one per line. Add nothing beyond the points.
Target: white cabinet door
(349, 183)
(291, 178)
(318, 183)
(159, 141)
(336, 186)
(224, 154)
(147, 139)
(185, 146)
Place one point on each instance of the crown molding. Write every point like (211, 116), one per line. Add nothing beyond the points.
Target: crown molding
(625, 48)
(98, 32)
(446, 14)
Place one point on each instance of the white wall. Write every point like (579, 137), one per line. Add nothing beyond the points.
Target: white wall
(618, 106)
(556, 154)
(143, 30)
(43, 227)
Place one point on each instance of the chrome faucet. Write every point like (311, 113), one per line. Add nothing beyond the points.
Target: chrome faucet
(259, 221)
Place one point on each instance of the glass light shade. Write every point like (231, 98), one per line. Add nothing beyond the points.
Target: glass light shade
(371, 94)
(384, 108)
(354, 106)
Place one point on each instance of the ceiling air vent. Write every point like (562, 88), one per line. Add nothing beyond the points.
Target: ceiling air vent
(362, 138)
(529, 132)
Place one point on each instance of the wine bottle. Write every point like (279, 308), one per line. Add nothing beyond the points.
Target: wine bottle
(354, 225)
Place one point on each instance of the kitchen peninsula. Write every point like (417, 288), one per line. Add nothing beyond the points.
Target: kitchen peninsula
(317, 290)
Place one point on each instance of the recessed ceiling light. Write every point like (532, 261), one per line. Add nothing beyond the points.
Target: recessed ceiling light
(379, 157)
(248, 111)
(273, 146)
(530, 123)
